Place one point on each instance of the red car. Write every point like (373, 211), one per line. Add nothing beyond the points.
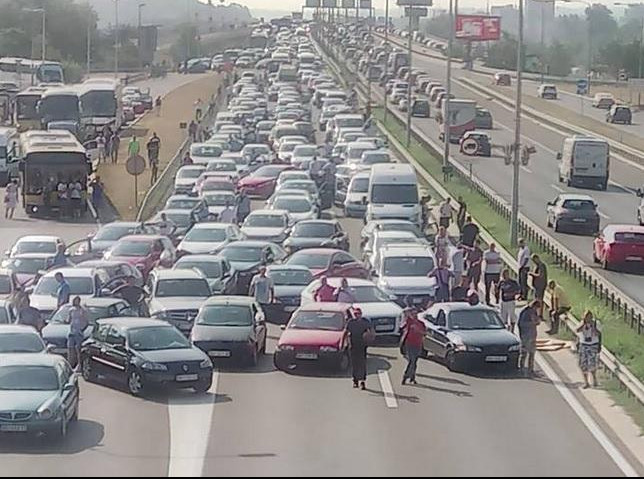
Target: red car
(316, 334)
(620, 245)
(329, 262)
(145, 252)
(261, 182)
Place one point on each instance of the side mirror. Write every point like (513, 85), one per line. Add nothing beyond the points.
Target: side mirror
(364, 200)
(559, 156)
(69, 387)
(50, 348)
(105, 292)
(283, 327)
(640, 192)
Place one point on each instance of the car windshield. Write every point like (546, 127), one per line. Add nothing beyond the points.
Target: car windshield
(48, 247)
(412, 266)
(291, 277)
(630, 238)
(224, 166)
(243, 254)
(579, 205)
(292, 204)
(293, 175)
(182, 203)
(20, 343)
(368, 294)
(265, 221)
(94, 313)
(268, 171)
(132, 248)
(211, 151)
(302, 150)
(360, 185)
(184, 287)
(203, 235)
(157, 338)
(394, 194)
(189, 173)
(303, 258)
(376, 158)
(318, 320)
(182, 220)
(314, 230)
(474, 319)
(226, 315)
(48, 286)
(219, 199)
(28, 378)
(288, 147)
(210, 269)
(403, 226)
(114, 232)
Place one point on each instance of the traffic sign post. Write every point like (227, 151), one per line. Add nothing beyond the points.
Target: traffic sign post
(470, 146)
(135, 166)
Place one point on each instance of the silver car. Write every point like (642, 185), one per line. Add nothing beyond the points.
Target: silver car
(573, 214)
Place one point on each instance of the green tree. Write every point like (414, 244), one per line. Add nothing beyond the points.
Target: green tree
(503, 54)
(559, 59)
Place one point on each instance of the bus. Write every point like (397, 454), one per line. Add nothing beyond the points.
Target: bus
(27, 72)
(48, 159)
(25, 111)
(101, 104)
(60, 107)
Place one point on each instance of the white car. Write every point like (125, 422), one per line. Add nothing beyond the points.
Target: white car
(286, 149)
(202, 153)
(267, 225)
(303, 155)
(207, 237)
(298, 185)
(226, 167)
(299, 207)
(187, 177)
(380, 239)
(355, 203)
(217, 201)
(292, 175)
(40, 244)
(376, 305)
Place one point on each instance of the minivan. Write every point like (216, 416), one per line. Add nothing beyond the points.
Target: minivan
(393, 193)
(585, 162)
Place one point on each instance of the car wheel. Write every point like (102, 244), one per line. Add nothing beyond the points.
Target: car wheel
(452, 362)
(203, 386)
(88, 371)
(135, 383)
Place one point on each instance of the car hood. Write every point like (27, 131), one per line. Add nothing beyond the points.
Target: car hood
(49, 303)
(416, 284)
(311, 338)
(259, 232)
(25, 400)
(185, 181)
(131, 260)
(307, 242)
(254, 180)
(172, 355)
(243, 266)
(216, 210)
(287, 291)
(57, 331)
(175, 303)
(221, 333)
(484, 338)
(198, 247)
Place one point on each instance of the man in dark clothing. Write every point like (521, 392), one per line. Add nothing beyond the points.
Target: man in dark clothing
(459, 292)
(539, 281)
(469, 232)
(475, 264)
(528, 322)
(359, 330)
(30, 316)
(461, 216)
(154, 148)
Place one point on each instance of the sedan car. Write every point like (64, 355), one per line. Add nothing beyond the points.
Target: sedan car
(476, 143)
(184, 220)
(144, 353)
(388, 225)
(288, 284)
(187, 178)
(17, 339)
(145, 252)
(109, 234)
(573, 213)
(217, 200)
(36, 244)
(267, 225)
(221, 276)
(317, 234)
(620, 246)
(316, 334)
(197, 207)
(261, 183)
(483, 120)
(328, 262)
(300, 207)
(468, 337)
(231, 327)
(247, 257)
(207, 237)
(39, 394)
(202, 153)
(25, 269)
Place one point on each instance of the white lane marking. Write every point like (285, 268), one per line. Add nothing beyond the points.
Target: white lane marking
(388, 390)
(526, 169)
(588, 421)
(602, 214)
(558, 188)
(190, 423)
(622, 187)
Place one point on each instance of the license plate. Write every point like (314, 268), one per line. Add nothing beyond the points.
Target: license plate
(187, 378)
(13, 428)
(383, 327)
(219, 354)
(634, 258)
(290, 309)
(496, 359)
(308, 357)
(579, 220)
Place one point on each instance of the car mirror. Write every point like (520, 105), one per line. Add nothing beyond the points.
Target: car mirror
(69, 387)
(283, 327)
(106, 292)
(50, 348)
(559, 156)
(364, 200)
(640, 192)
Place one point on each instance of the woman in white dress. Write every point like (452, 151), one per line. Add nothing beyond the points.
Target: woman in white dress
(10, 199)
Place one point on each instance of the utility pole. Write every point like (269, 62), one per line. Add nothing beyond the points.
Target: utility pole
(446, 118)
(387, 50)
(44, 34)
(514, 223)
(117, 38)
(409, 88)
(89, 41)
(141, 5)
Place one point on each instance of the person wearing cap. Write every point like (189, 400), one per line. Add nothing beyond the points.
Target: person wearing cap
(411, 344)
(361, 333)
(325, 293)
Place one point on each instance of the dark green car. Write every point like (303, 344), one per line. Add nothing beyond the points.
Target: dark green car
(39, 394)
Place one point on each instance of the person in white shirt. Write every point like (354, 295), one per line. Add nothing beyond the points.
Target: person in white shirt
(166, 226)
(228, 215)
(523, 259)
(492, 266)
(445, 212)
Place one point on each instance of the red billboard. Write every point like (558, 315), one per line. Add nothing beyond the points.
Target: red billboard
(478, 28)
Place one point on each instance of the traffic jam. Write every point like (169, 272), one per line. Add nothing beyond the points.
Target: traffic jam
(293, 219)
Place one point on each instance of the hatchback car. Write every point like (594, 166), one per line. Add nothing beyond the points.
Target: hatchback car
(207, 237)
(247, 257)
(144, 353)
(261, 183)
(221, 276)
(317, 234)
(620, 246)
(36, 244)
(620, 114)
(109, 234)
(483, 120)
(267, 225)
(288, 284)
(145, 252)
(476, 143)
(329, 262)
(18, 339)
(574, 214)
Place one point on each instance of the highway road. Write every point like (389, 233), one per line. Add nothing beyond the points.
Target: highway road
(263, 422)
(617, 205)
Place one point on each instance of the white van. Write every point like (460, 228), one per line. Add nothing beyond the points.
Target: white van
(585, 162)
(8, 136)
(393, 193)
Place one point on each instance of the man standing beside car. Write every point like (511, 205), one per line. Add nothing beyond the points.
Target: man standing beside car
(361, 333)
(262, 289)
(529, 320)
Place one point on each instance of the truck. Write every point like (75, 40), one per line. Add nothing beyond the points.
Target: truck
(462, 118)
(585, 162)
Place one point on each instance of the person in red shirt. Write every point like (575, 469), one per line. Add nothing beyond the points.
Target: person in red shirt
(412, 344)
(325, 293)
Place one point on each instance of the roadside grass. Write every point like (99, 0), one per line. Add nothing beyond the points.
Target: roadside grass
(618, 337)
(623, 399)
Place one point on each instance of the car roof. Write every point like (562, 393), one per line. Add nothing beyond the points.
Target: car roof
(98, 302)
(33, 256)
(142, 238)
(250, 243)
(454, 306)
(16, 328)
(395, 234)
(230, 300)
(178, 274)
(125, 323)
(409, 250)
(326, 307)
(287, 267)
(125, 224)
(319, 251)
(336, 281)
(268, 212)
(207, 258)
(624, 229)
(211, 226)
(39, 238)
(72, 272)
(32, 359)
(318, 222)
(577, 197)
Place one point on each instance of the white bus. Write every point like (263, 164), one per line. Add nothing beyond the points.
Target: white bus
(101, 104)
(25, 72)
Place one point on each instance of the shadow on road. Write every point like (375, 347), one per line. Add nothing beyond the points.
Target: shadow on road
(81, 436)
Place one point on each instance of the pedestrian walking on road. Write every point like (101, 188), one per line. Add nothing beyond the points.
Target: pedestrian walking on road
(529, 320)
(560, 305)
(445, 213)
(158, 103)
(10, 199)
(97, 193)
(228, 214)
(325, 293)
(469, 233)
(361, 335)
(63, 292)
(474, 264)
(509, 290)
(134, 148)
(492, 267)
(590, 345)
(116, 146)
(154, 171)
(187, 160)
(243, 206)
(441, 245)
(443, 275)
(154, 148)
(344, 294)
(198, 109)
(523, 260)
(193, 130)
(262, 289)
(78, 320)
(457, 265)
(30, 316)
(461, 216)
(539, 281)
(102, 148)
(412, 344)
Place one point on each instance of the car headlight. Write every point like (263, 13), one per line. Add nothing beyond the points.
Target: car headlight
(286, 348)
(149, 366)
(328, 349)
(46, 413)
(514, 349)
(206, 364)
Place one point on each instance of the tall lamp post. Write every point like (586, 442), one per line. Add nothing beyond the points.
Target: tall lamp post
(117, 38)
(453, 10)
(43, 12)
(516, 160)
(387, 49)
(141, 6)
(590, 37)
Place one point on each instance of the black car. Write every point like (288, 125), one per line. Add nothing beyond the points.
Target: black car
(420, 109)
(288, 284)
(144, 353)
(469, 337)
(317, 234)
(620, 114)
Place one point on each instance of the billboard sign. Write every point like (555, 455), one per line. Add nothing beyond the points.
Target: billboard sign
(348, 3)
(313, 3)
(478, 28)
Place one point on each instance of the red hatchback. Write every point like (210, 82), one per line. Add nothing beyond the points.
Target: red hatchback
(316, 334)
(145, 252)
(620, 245)
(329, 262)
(261, 183)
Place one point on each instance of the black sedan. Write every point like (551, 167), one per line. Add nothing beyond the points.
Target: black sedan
(469, 337)
(317, 234)
(247, 257)
(144, 353)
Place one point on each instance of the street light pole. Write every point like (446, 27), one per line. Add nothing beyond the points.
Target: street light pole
(89, 41)
(446, 117)
(141, 5)
(116, 38)
(514, 222)
(409, 89)
(387, 58)
(44, 34)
